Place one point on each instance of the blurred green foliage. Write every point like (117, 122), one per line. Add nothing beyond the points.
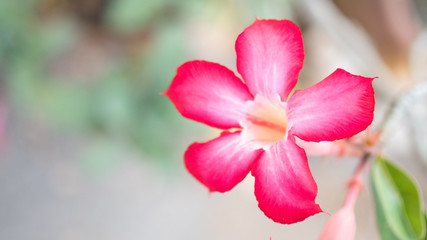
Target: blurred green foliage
(121, 101)
(398, 202)
(141, 43)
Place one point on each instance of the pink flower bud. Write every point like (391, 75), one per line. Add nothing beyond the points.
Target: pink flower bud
(342, 224)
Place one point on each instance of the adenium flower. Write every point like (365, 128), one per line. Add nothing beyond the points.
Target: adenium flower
(260, 120)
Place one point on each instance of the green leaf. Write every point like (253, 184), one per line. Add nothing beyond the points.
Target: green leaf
(398, 203)
(425, 220)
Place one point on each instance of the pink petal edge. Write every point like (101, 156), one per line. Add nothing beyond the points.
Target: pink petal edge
(338, 107)
(270, 54)
(284, 186)
(220, 164)
(209, 93)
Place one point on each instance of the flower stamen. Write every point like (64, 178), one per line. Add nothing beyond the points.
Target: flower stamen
(265, 122)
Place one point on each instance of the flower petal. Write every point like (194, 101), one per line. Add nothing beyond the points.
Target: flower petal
(209, 93)
(270, 54)
(338, 107)
(284, 186)
(221, 163)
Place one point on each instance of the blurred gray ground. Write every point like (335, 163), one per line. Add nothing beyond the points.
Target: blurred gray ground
(50, 191)
(47, 194)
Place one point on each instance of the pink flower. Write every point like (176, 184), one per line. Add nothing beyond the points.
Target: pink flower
(260, 122)
(342, 224)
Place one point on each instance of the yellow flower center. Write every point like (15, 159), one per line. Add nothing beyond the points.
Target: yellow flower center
(265, 121)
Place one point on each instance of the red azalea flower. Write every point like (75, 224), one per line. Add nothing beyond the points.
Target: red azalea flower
(270, 55)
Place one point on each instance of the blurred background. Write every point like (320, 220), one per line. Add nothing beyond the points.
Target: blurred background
(90, 150)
